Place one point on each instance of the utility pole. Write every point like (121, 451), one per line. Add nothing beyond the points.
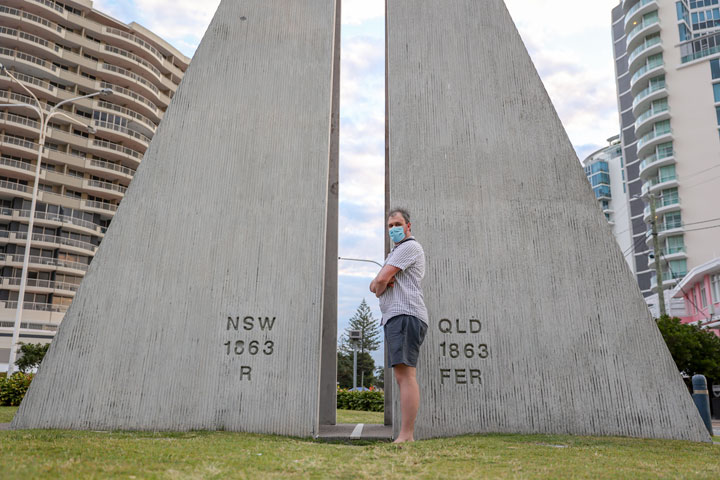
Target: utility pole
(658, 255)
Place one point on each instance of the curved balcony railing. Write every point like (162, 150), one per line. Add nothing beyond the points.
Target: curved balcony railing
(645, 69)
(137, 40)
(650, 137)
(111, 166)
(640, 27)
(130, 113)
(635, 8)
(19, 141)
(118, 148)
(18, 97)
(127, 73)
(647, 44)
(106, 186)
(29, 78)
(70, 242)
(134, 58)
(51, 4)
(649, 184)
(55, 217)
(33, 18)
(101, 205)
(27, 122)
(131, 94)
(41, 307)
(651, 113)
(117, 128)
(48, 284)
(648, 91)
(38, 260)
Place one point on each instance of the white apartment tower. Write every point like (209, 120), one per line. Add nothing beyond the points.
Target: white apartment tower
(605, 170)
(667, 61)
(62, 50)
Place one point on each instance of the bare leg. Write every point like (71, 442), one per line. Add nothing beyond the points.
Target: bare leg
(409, 401)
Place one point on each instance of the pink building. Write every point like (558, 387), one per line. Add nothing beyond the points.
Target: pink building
(701, 291)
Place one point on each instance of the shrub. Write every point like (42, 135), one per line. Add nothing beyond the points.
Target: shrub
(13, 389)
(368, 401)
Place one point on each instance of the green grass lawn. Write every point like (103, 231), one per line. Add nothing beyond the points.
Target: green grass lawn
(223, 455)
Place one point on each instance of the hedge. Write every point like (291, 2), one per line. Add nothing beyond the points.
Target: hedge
(368, 401)
(12, 390)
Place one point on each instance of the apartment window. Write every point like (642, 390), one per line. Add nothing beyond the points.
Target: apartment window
(673, 220)
(665, 150)
(670, 197)
(715, 282)
(715, 68)
(678, 268)
(716, 92)
(703, 295)
(75, 173)
(675, 245)
(665, 174)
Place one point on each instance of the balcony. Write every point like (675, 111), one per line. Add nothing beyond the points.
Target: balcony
(141, 120)
(648, 142)
(644, 73)
(675, 253)
(110, 169)
(23, 170)
(103, 208)
(637, 11)
(15, 189)
(642, 29)
(43, 263)
(55, 219)
(97, 187)
(650, 46)
(122, 133)
(54, 241)
(654, 184)
(117, 150)
(42, 286)
(654, 91)
(645, 121)
(650, 164)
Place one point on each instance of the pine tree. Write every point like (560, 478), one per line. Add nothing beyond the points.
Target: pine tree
(364, 321)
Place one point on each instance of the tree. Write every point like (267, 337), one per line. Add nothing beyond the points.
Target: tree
(366, 367)
(31, 354)
(694, 350)
(369, 327)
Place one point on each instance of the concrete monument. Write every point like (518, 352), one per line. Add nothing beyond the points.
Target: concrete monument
(537, 325)
(205, 306)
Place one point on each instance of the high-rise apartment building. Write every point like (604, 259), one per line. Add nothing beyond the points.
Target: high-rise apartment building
(605, 170)
(60, 51)
(667, 61)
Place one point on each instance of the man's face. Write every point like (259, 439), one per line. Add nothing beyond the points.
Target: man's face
(398, 220)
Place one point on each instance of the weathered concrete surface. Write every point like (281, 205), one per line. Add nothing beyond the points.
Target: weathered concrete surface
(225, 218)
(515, 240)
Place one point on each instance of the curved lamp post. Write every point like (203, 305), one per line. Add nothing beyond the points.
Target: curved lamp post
(44, 122)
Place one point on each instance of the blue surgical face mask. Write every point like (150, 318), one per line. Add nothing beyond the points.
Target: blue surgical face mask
(397, 234)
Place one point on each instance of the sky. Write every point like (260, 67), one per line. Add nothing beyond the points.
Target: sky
(568, 40)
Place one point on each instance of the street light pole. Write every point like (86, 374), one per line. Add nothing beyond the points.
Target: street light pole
(44, 123)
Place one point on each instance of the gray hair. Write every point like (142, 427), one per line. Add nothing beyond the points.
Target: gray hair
(405, 214)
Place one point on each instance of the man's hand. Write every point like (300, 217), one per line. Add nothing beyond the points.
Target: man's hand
(384, 279)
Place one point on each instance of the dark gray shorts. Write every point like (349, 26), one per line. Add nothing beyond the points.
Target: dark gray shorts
(403, 336)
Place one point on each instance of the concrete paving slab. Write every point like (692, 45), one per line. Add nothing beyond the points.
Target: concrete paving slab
(355, 431)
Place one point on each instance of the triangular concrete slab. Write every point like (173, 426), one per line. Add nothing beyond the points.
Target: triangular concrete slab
(203, 307)
(537, 324)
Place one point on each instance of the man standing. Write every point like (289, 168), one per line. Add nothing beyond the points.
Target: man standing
(404, 316)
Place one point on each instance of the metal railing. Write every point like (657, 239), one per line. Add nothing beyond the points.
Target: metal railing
(11, 162)
(51, 4)
(129, 74)
(107, 186)
(129, 93)
(133, 38)
(41, 307)
(71, 242)
(111, 166)
(28, 122)
(118, 148)
(101, 205)
(14, 186)
(50, 262)
(133, 57)
(54, 217)
(634, 8)
(118, 128)
(49, 284)
(128, 112)
(19, 141)
(650, 42)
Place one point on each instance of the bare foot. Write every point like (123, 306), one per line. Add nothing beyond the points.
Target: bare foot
(404, 440)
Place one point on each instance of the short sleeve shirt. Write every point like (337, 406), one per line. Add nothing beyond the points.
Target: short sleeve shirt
(406, 297)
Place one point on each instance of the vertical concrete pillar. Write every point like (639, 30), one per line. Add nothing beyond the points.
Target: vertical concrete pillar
(536, 323)
(204, 306)
(328, 368)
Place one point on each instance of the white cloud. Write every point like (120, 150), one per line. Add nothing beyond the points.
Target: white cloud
(355, 12)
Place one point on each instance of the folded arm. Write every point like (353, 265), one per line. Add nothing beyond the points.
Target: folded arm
(385, 278)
